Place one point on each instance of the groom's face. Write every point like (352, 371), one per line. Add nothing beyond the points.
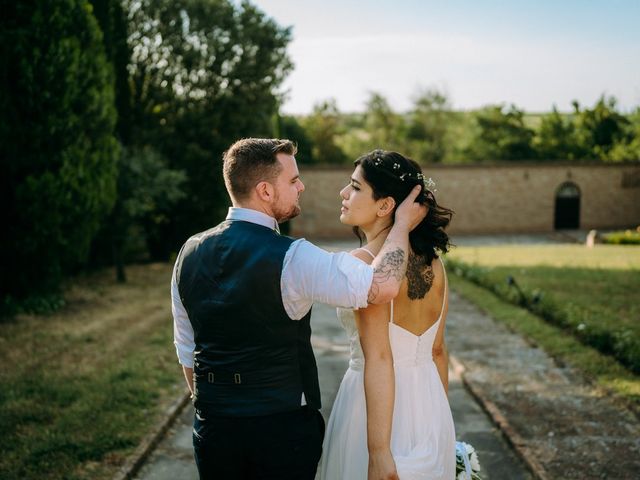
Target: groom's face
(288, 188)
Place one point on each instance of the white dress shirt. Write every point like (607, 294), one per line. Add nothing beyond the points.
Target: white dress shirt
(309, 274)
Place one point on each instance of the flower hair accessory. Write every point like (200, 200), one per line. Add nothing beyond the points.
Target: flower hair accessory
(428, 183)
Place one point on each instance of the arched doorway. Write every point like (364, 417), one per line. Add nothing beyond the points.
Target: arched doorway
(567, 214)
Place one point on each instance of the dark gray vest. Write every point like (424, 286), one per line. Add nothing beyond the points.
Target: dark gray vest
(250, 357)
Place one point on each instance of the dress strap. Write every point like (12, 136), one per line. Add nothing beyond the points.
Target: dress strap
(391, 319)
(444, 297)
(368, 251)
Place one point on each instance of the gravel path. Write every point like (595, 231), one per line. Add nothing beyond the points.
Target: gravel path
(563, 427)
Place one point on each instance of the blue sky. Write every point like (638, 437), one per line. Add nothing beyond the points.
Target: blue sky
(534, 54)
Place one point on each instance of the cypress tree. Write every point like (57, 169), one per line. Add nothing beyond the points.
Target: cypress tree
(57, 146)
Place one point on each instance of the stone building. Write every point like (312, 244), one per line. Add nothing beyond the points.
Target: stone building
(500, 198)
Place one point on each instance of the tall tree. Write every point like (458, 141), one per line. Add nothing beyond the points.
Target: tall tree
(382, 124)
(429, 123)
(600, 128)
(147, 192)
(289, 127)
(627, 148)
(322, 126)
(556, 138)
(113, 22)
(56, 138)
(203, 73)
(500, 134)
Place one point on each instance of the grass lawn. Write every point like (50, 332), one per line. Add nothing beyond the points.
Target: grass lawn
(598, 286)
(80, 388)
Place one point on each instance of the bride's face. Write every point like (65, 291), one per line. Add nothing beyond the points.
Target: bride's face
(358, 206)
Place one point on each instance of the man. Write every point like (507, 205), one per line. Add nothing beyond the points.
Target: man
(241, 299)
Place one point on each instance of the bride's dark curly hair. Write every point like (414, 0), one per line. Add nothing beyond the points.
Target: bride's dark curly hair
(390, 174)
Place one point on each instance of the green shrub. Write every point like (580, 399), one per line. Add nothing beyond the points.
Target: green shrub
(626, 237)
(622, 344)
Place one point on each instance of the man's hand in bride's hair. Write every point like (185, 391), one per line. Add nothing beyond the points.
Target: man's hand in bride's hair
(409, 212)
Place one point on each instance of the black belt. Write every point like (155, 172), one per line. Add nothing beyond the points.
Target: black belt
(239, 378)
(224, 378)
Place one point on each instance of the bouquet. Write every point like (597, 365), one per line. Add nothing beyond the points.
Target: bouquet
(467, 464)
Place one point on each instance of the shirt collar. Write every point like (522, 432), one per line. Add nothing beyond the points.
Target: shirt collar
(253, 216)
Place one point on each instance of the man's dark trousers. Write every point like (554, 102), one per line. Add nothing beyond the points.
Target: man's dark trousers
(282, 446)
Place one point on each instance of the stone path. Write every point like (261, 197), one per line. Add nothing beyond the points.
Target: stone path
(173, 459)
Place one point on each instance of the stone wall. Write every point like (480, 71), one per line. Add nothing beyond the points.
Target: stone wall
(513, 198)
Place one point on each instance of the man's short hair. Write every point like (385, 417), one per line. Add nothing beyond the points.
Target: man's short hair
(253, 160)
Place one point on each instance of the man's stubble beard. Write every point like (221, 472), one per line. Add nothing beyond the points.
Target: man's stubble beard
(282, 215)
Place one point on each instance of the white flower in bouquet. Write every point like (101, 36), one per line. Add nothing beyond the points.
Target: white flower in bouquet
(467, 462)
(475, 463)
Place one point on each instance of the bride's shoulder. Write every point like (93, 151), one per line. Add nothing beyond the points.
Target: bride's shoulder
(437, 264)
(438, 271)
(363, 255)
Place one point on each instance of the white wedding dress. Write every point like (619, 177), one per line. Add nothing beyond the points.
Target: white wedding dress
(422, 435)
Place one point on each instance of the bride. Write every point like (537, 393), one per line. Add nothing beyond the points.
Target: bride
(391, 417)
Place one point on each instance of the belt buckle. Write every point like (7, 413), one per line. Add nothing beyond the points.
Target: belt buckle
(237, 378)
(210, 377)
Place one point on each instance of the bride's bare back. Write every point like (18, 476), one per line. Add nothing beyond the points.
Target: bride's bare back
(419, 303)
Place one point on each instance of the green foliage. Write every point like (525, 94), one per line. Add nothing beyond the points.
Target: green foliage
(114, 25)
(43, 304)
(431, 132)
(628, 148)
(322, 128)
(598, 133)
(58, 150)
(429, 126)
(203, 74)
(585, 323)
(626, 237)
(599, 129)
(426, 134)
(383, 125)
(147, 192)
(557, 139)
(289, 127)
(500, 134)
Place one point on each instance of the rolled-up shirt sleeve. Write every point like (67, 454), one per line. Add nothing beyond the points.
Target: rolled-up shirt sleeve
(311, 274)
(183, 337)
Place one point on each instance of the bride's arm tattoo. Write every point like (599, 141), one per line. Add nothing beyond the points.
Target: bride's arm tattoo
(391, 265)
(419, 277)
